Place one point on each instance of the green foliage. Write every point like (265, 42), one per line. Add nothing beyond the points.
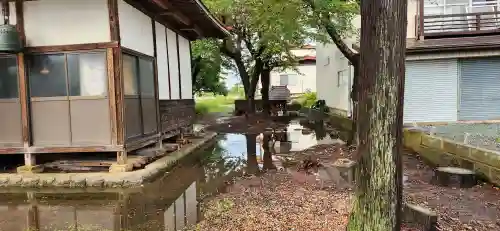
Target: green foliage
(263, 33)
(294, 106)
(215, 104)
(307, 99)
(321, 106)
(237, 90)
(208, 67)
(338, 13)
(202, 108)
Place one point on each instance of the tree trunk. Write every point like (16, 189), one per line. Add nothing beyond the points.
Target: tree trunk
(254, 80)
(354, 139)
(252, 165)
(265, 80)
(251, 101)
(378, 193)
(267, 157)
(195, 68)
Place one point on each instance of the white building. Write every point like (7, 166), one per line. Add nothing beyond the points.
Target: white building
(450, 75)
(304, 79)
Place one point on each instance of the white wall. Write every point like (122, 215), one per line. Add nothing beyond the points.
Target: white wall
(304, 52)
(12, 19)
(185, 59)
(306, 79)
(173, 63)
(136, 31)
(334, 77)
(330, 61)
(162, 60)
(412, 12)
(180, 213)
(64, 22)
(191, 205)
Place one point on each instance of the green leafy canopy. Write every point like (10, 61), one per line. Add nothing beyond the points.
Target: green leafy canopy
(208, 67)
(263, 34)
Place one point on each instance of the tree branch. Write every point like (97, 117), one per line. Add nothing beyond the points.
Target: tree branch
(334, 35)
(240, 65)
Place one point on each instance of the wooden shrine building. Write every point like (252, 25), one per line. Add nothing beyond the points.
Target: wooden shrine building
(97, 75)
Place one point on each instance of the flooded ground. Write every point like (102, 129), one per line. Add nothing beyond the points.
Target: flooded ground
(205, 181)
(170, 203)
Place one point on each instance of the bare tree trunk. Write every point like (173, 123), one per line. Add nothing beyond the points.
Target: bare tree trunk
(265, 80)
(379, 174)
(254, 80)
(252, 165)
(354, 139)
(267, 157)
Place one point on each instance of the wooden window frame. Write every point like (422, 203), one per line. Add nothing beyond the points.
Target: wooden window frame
(137, 56)
(68, 93)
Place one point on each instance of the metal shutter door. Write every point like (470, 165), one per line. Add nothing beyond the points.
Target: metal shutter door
(431, 91)
(479, 89)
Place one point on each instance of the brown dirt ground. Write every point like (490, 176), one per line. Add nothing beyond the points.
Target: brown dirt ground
(291, 200)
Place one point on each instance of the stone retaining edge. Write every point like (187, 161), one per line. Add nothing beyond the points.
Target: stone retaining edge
(443, 152)
(103, 180)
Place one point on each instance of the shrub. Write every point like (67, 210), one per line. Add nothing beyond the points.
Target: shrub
(201, 108)
(307, 99)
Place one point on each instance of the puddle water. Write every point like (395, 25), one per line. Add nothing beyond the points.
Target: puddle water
(169, 203)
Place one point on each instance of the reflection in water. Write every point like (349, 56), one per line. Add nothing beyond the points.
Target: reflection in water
(170, 203)
(252, 164)
(267, 159)
(300, 141)
(167, 204)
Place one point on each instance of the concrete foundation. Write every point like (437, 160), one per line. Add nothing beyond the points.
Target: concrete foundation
(118, 179)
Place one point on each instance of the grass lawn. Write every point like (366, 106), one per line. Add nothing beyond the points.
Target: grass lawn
(215, 104)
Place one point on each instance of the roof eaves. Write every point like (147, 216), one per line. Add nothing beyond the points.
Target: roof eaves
(212, 18)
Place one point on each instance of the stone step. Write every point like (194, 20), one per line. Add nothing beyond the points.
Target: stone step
(420, 216)
(454, 177)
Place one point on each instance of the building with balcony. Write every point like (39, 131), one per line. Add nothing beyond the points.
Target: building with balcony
(452, 68)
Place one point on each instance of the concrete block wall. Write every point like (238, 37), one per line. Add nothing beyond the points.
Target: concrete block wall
(445, 152)
(441, 152)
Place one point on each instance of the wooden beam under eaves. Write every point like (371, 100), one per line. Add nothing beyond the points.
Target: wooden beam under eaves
(178, 16)
(195, 29)
(160, 3)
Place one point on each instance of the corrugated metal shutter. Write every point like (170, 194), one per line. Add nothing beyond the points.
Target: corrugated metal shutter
(479, 89)
(431, 91)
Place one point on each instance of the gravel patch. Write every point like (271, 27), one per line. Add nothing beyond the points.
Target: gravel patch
(481, 135)
(292, 200)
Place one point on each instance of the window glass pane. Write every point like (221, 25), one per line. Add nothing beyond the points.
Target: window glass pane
(8, 78)
(283, 80)
(87, 74)
(146, 77)
(47, 76)
(130, 75)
